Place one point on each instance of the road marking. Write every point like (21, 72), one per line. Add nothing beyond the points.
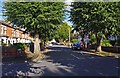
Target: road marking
(75, 56)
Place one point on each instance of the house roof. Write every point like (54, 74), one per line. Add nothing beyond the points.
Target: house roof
(3, 23)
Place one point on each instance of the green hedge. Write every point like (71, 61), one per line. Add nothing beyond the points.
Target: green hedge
(105, 43)
(93, 39)
(19, 45)
(112, 43)
(118, 42)
(74, 40)
(3, 44)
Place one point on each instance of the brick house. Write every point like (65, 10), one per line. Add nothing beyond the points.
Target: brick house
(10, 35)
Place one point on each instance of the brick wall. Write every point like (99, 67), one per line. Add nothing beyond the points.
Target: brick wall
(9, 31)
(115, 49)
(9, 52)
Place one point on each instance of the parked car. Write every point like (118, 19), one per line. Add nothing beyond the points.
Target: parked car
(54, 43)
(77, 46)
(50, 45)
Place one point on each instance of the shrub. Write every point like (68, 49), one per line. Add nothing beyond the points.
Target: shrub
(112, 43)
(3, 44)
(93, 39)
(118, 42)
(74, 40)
(105, 43)
(19, 45)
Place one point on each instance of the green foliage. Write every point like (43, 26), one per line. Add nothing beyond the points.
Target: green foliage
(37, 17)
(112, 43)
(96, 18)
(62, 33)
(3, 44)
(118, 42)
(74, 40)
(19, 45)
(105, 43)
(93, 39)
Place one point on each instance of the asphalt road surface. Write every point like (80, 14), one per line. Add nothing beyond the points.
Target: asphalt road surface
(63, 61)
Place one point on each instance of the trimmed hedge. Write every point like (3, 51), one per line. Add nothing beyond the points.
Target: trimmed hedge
(19, 45)
(112, 43)
(105, 43)
(74, 40)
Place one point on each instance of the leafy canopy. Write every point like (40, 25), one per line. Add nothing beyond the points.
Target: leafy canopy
(62, 33)
(36, 17)
(96, 17)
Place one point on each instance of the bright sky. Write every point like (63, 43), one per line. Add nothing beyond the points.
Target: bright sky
(68, 2)
(1, 10)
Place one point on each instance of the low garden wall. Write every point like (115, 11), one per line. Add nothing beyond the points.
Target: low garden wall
(114, 49)
(9, 52)
(12, 51)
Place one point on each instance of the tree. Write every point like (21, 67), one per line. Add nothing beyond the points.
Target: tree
(62, 33)
(38, 18)
(96, 18)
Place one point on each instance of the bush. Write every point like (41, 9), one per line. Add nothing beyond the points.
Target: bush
(19, 45)
(105, 43)
(3, 44)
(74, 40)
(112, 42)
(93, 39)
(118, 42)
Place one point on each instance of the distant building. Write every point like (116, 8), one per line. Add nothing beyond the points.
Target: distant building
(10, 35)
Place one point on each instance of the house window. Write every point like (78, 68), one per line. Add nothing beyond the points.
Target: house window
(17, 33)
(4, 30)
(12, 32)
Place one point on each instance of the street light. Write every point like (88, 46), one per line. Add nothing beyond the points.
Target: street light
(69, 35)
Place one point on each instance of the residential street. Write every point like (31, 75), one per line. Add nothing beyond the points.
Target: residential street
(40, 38)
(63, 61)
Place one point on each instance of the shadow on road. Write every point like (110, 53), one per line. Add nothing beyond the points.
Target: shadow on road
(63, 61)
(76, 63)
(13, 64)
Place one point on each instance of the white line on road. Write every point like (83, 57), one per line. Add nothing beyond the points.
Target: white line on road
(75, 56)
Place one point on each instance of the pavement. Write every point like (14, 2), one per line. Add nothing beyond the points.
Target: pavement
(63, 61)
(102, 53)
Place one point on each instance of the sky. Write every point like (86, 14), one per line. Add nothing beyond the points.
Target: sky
(1, 9)
(68, 2)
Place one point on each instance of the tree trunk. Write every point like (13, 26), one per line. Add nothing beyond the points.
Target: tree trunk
(44, 43)
(98, 45)
(37, 44)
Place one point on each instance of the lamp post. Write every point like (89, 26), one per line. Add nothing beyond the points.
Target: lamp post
(69, 36)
